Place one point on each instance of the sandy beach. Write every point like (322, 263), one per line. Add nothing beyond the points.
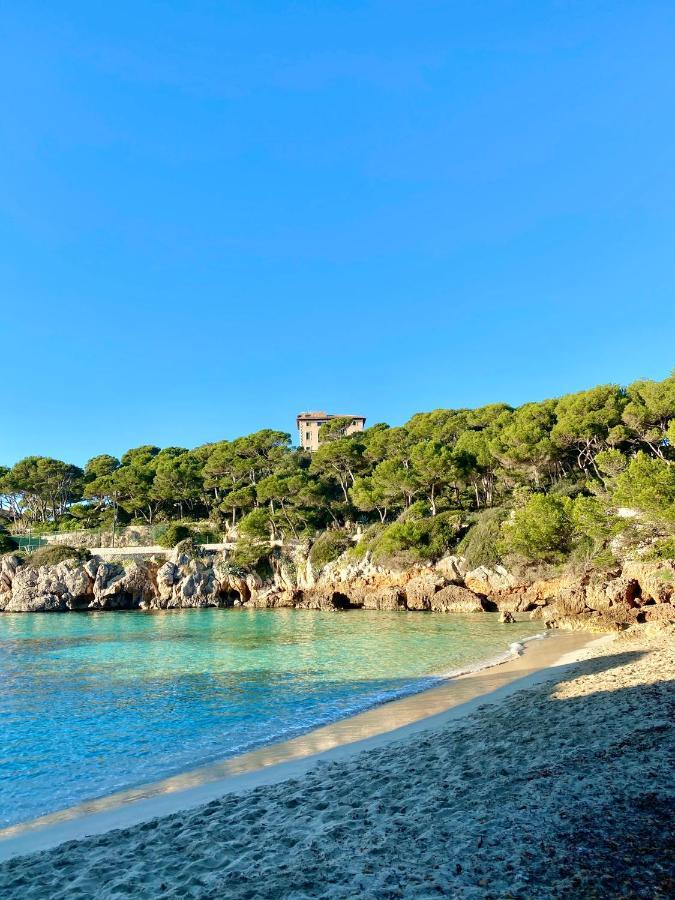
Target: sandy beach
(561, 789)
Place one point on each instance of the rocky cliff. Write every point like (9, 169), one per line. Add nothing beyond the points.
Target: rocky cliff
(635, 592)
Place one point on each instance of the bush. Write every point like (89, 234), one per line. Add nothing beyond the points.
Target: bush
(327, 548)
(7, 542)
(663, 549)
(540, 530)
(367, 541)
(422, 540)
(255, 525)
(53, 554)
(250, 554)
(648, 484)
(174, 534)
(480, 545)
(594, 525)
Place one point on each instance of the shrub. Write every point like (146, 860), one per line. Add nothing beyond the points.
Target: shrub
(663, 549)
(540, 530)
(7, 542)
(250, 554)
(174, 534)
(367, 541)
(53, 554)
(422, 540)
(648, 484)
(327, 548)
(611, 462)
(480, 545)
(255, 525)
(594, 523)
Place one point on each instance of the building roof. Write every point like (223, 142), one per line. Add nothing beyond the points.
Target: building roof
(314, 416)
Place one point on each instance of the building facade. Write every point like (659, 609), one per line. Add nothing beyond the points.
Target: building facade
(308, 424)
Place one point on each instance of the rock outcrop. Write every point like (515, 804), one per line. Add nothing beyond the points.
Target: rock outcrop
(636, 592)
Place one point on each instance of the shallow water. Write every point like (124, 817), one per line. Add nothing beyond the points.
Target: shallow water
(94, 703)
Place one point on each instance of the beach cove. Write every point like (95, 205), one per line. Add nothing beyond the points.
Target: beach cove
(503, 782)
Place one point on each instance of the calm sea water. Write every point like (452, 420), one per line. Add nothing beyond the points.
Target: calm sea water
(93, 703)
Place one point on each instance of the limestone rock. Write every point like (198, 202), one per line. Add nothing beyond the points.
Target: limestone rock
(389, 598)
(489, 582)
(454, 568)
(37, 590)
(274, 599)
(419, 591)
(655, 579)
(168, 575)
(117, 587)
(456, 599)
(659, 612)
(324, 598)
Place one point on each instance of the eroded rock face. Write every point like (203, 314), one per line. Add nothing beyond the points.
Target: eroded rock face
(656, 580)
(457, 599)
(120, 587)
(8, 566)
(640, 593)
(454, 568)
(44, 589)
(491, 582)
(391, 599)
(325, 597)
(420, 591)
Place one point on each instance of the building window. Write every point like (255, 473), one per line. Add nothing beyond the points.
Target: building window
(308, 435)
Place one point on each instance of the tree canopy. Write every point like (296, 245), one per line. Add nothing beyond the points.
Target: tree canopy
(555, 471)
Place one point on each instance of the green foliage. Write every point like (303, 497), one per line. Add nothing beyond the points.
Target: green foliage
(648, 484)
(541, 530)
(584, 420)
(173, 534)
(404, 543)
(249, 554)
(334, 429)
(41, 488)
(367, 542)
(7, 542)
(53, 554)
(594, 527)
(650, 411)
(328, 547)
(607, 444)
(256, 525)
(611, 462)
(662, 549)
(480, 544)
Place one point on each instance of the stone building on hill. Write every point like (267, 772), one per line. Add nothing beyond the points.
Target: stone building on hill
(308, 424)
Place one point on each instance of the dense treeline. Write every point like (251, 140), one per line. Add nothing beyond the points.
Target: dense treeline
(540, 480)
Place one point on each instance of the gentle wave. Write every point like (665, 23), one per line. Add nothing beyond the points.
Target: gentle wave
(418, 686)
(97, 704)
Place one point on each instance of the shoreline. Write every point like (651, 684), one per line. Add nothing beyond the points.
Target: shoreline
(543, 658)
(527, 797)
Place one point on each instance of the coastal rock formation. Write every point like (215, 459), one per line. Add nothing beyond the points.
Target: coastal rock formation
(456, 599)
(637, 592)
(119, 587)
(44, 589)
(420, 591)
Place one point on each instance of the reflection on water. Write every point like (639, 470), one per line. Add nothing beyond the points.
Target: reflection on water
(96, 703)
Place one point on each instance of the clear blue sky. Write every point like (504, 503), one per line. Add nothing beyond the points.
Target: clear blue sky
(215, 214)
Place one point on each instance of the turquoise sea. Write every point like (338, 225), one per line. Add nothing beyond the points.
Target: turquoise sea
(92, 703)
